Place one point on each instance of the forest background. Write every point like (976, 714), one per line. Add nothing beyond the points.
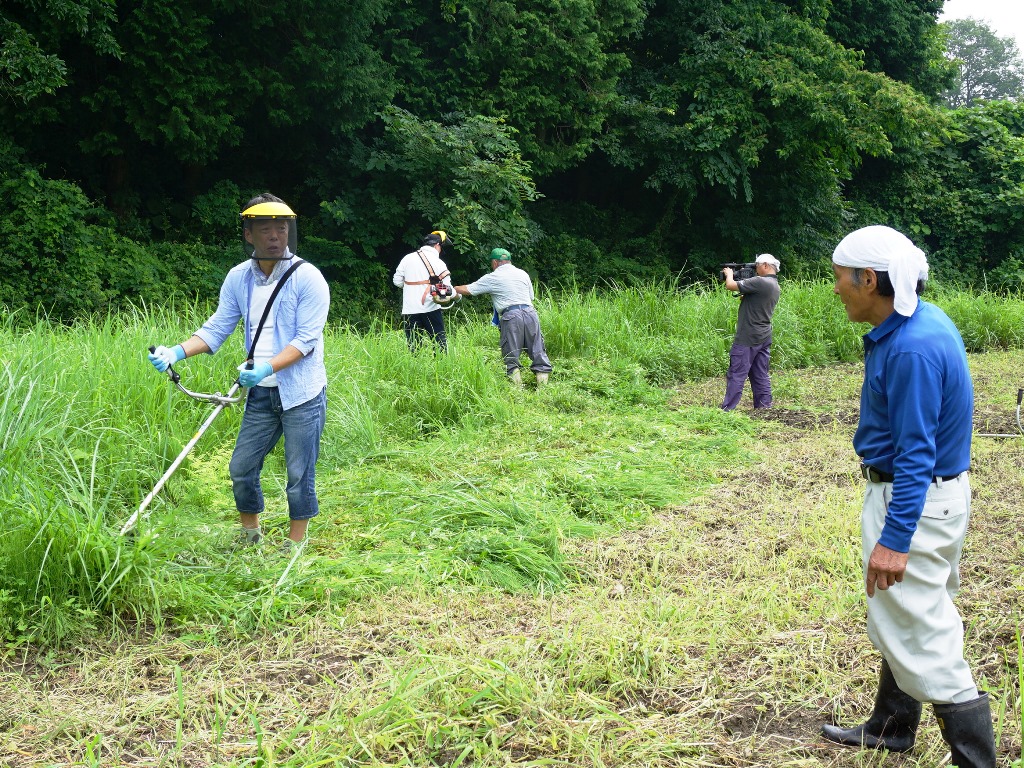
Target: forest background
(601, 141)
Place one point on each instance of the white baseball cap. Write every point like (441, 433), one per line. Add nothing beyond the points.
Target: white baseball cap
(767, 258)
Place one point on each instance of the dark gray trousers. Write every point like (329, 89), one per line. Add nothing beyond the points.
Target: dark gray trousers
(520, 331)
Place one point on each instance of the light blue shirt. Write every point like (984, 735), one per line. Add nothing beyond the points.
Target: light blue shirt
(300, 313)
(916, 409)
(508, 286)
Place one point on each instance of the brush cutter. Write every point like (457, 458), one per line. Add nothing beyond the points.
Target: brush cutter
(219, 401)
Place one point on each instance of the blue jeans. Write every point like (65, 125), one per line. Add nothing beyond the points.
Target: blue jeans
(263, 424)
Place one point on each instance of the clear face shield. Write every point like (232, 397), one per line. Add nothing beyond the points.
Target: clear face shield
(269, 232)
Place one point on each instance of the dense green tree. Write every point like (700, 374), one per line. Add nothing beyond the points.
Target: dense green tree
(601, 139)
(206, 90)
(488, 92)
(746, 118)
(464, 175)
(962, 198)
(989, 66)
(68, 258)
(32, 35)
(897, 37)
(550, 68)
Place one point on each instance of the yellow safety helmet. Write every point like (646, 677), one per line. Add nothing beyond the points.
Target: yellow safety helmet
(268, 211)
(437, 237)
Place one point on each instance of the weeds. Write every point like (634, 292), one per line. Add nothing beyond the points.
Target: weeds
(603, 572)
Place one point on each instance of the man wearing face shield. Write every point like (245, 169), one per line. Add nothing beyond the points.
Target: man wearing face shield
(286, 376)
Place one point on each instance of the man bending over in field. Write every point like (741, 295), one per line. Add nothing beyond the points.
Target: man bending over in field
(512, 297)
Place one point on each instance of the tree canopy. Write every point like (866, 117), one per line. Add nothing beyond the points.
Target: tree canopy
(623, 139)
(989, 67)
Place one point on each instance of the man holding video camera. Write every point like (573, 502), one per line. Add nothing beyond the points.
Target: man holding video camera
(751, 346)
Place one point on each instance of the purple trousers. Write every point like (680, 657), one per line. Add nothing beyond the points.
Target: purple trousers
(749, 362)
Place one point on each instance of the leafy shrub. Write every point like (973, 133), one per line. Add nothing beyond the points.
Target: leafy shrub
(358, 285)
(570, 260)
(962, 201)
(69, 259)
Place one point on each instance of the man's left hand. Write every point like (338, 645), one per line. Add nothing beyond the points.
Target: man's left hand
(254, 375)
(885, 568)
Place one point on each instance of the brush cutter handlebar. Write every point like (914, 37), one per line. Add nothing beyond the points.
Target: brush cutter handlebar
(216, 397)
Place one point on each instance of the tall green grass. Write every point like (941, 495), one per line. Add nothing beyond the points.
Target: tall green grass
(433, 470)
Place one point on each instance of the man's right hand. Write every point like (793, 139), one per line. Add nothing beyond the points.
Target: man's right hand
(164, 357)
(886, 567)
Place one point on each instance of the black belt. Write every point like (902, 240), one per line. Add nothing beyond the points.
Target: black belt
(873, 475)
(515, 306)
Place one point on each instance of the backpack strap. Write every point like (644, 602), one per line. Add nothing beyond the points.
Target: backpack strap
(434, 279)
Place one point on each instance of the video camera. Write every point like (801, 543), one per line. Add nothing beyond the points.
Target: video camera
(739, 271)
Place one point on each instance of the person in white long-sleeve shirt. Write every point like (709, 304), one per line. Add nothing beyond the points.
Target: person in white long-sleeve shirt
(421, 313)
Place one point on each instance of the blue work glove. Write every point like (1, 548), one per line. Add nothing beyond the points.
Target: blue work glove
(254, 375)
(164, 357)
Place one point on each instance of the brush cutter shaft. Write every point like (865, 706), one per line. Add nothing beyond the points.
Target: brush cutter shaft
(224, 401)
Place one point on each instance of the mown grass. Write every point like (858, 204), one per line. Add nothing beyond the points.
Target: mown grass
(606, 572)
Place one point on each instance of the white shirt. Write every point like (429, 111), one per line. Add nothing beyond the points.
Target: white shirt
(416, 298)
(265, 343)
(508, 286)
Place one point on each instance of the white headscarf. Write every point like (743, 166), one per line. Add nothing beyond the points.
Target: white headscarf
(883, 249)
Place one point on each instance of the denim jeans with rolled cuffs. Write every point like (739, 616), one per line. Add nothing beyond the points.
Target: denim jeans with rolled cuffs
(263, 424)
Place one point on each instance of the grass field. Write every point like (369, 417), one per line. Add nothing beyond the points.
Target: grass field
(608, 572)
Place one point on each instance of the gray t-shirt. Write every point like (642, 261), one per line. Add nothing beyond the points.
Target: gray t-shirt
(508, 286)
(758, 297)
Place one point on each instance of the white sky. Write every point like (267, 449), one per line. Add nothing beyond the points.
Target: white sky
(1004, 17)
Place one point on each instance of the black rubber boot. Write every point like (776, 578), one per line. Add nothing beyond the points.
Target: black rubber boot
(967, 728)
(893, 724)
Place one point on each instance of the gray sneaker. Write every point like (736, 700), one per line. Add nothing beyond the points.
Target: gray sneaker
(247, 537)
(288, 548)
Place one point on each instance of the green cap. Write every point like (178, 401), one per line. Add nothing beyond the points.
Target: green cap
(500, 254)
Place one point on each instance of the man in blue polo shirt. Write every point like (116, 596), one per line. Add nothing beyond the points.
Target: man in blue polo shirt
(914, 440)
(287, 380)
